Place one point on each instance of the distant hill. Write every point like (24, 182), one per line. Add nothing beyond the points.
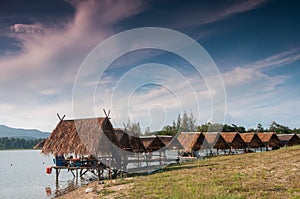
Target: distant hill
(22, 133)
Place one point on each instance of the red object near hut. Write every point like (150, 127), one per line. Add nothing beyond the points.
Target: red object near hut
(48, 170)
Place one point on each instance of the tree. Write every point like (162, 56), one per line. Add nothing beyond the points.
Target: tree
(191, 122)
(259, 128)
(178, 122)
(147, 131)
(278, 128)
(133, 128)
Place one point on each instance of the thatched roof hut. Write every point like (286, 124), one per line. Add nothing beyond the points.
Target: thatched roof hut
(152, 143)
(269, 139)
(252, 140)
(289, 139)
(170, 142)
(192, 141)
(40, 144)
(234, 140)
(123, 139)
(137, 145)
(216, 141)
(166, 139)
(81, 136)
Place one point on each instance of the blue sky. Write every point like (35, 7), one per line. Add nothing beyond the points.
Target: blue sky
(255, 45)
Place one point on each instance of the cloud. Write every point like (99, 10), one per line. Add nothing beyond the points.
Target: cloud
(28, 28)
(254, 73)
(254, 96)
(42, 73)
(259, 81)
(277, 60)
(205, 13)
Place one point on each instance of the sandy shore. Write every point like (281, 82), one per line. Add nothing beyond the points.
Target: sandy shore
(101, 189)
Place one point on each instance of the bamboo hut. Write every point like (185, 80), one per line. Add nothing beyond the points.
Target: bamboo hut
(192, 141)
(123, 139)
(137, 145)
(216, 141)
(152, 143)
(234, 140)
(252, 140)
(81, 137)
(91, 136)
(269, 140)
(289, 139)
(170, 142)
(166, 139)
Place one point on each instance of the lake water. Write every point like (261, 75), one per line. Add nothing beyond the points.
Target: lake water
(23, 175)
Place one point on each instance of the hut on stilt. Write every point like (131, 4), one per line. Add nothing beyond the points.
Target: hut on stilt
(152, 143)
(216, 141)
(289, 139)
(270, 139)
(234, 140)
(123, 139)
(192, 142)
(170, 142)
(252, 140)
(83, 137)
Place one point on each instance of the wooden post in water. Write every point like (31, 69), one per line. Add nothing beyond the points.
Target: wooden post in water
(57, 171)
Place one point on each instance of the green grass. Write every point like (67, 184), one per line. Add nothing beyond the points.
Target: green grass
(273, 174)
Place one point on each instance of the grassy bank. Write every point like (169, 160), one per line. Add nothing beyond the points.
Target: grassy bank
(273, 174)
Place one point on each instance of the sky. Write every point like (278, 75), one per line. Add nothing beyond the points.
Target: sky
(254, 45)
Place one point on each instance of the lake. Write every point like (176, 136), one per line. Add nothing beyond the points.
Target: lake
(23, 175)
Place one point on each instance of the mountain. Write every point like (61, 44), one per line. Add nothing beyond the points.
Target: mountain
(22, 133)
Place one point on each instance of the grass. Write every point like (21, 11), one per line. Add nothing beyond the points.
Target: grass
(272, 174)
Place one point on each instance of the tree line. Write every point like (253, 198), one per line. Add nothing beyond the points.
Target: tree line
(187, 123)
(17, 143)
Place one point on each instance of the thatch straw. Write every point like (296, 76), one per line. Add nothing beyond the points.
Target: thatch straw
(269, 139)
(137, 145)
(192, 141)
(252, 140)
(216, 141)
(289, 139)
(81, 136)
(123, 139)
(234, 140)
(152, 143)
(170, 142)
(40, 144)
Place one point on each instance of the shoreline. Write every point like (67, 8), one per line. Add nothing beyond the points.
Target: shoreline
(96, 189)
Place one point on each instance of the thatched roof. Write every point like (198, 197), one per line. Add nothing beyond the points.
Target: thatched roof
(137, 145)
(40, 144)
(170, 142)
(123, 139)
(81, 136)
(192, 141)
(166, 139)
(234, 140)
(216, 141)
(269, 139)
(289, 139)
(252, 140)
(152, 143)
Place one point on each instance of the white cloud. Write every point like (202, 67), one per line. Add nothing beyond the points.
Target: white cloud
(255, 96)
(277, 60)
(39, 78)
(199, 15)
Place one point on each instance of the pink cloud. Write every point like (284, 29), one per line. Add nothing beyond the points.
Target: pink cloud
(50, 56)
